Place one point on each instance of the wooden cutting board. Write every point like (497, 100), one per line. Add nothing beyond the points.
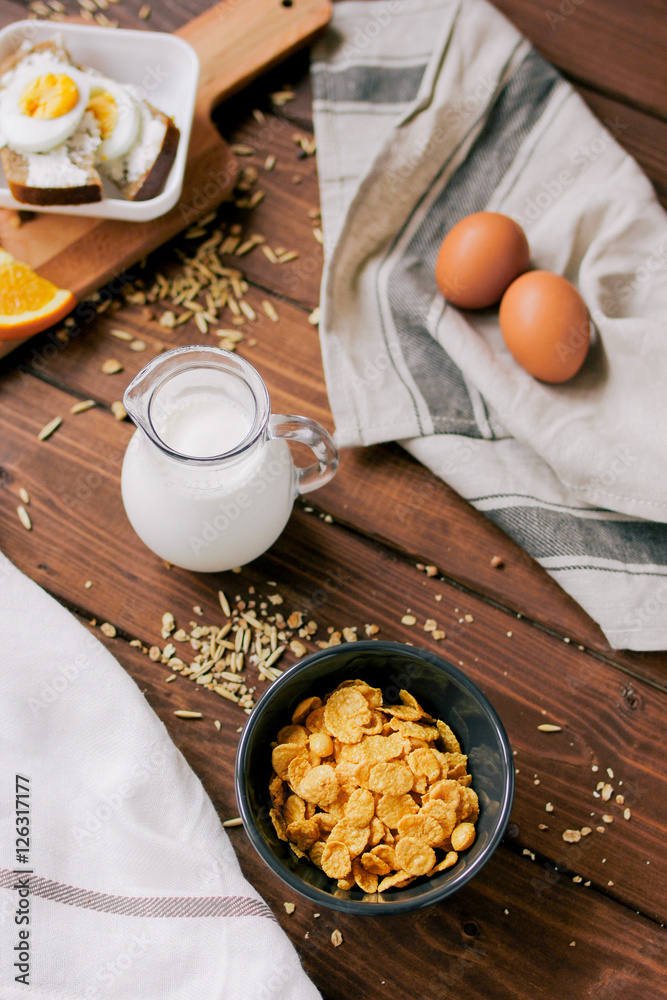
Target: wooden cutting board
(236, 41)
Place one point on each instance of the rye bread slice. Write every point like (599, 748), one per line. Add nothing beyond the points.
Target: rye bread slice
(153, 179)
(16, 172)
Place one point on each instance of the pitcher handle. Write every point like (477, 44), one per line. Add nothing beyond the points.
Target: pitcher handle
(294, 428)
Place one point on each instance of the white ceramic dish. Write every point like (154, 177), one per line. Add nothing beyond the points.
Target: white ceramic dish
(163, 66)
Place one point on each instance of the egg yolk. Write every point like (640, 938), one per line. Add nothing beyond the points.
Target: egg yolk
(105, 110)
(49, 96)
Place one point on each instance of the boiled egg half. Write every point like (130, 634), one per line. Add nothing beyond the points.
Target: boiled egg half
(43, 107)
(117, 115)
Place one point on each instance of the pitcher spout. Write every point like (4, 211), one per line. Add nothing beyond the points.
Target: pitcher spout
(178, 379)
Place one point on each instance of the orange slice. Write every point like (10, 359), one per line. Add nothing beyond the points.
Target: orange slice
(28, 303)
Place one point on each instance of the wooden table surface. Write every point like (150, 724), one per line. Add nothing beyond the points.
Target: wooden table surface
(544, 918)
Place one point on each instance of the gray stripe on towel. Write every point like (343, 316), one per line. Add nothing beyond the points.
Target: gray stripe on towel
(515, 112)
(138, 906)
(548, 533)
(369, 84)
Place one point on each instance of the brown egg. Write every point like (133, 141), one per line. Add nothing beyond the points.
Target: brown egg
(544, 322)
(479, 258)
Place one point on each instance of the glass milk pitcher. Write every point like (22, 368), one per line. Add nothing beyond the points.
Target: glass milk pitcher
(208, 480)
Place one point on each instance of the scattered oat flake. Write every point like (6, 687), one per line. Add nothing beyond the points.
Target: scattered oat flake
(108, 629)
(549, 807)
(606, 792)
(607, 818)
(24, 517)
(235, 821)
(546, 727)
(183, 714)
(25, 496)
(281, 97)
(573, 944)
(224, 603)
(122, 335)
(497, 562)
(48, 429)
(408, 620)
(118, 410)
(314, 317)
(270, 310)
(111, 366)
(626, 814)
(144, 12)
(336, 938)
(571, 836)
(289, 907)
(85, 404)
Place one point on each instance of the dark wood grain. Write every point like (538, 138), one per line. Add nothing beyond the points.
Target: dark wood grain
(605, 722)
(604, 44)
(510, 932)
(466, 946)
(409, 508)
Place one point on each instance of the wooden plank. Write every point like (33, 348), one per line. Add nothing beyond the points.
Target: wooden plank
(602, 43)
(291, 193)
(413, 510)
(517, 907)
(468, 943)
(80, 533)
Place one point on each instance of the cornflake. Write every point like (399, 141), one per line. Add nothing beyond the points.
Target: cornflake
(375, 795)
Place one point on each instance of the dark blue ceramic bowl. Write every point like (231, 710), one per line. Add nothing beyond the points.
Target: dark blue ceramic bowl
(446, 693)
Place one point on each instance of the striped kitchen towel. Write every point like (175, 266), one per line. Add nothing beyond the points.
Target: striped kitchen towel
(426, 111)
(117, 881)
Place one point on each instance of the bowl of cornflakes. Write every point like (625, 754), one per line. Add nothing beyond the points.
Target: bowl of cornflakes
(374, 778)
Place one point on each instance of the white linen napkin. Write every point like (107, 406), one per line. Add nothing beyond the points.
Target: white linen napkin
(134, 890)
(426, 111)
